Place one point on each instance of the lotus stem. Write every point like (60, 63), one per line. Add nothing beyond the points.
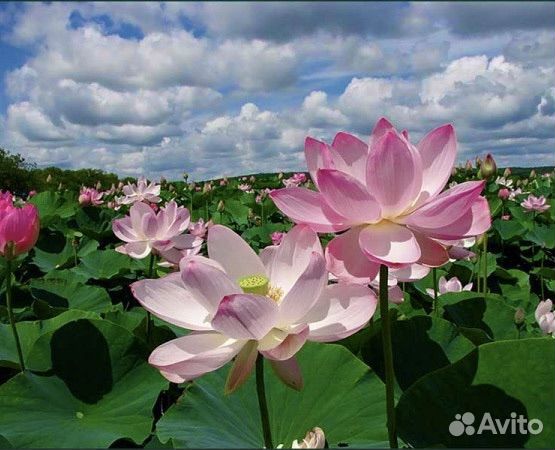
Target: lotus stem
(485, 264)
(150, 274)
(262, 404)
(388, 358)
(10, 312)
(434, 280)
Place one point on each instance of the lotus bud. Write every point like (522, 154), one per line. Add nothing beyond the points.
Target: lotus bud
(480, 239)
(315, 438)
(221, 206)
(251, 214)
(488, 167)
(525, 182)
(519, 316)
(280, 175)
(532, 173)
(478, 162)
(120, 185)
(49, 178)
(468, 165)
(503, 194)
(171, 188)
(60, 186)
(454, 171)
(252, 179)
(506, 172)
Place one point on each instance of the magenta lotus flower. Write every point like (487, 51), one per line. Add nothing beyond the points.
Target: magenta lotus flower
(141, 192)
(388, 195)
(536, 204)
(19, 227)
(295, 180)
(145, 230)
(277, 237)
(245, 188)
(90, 196)
(445, 286)
(545, 316)
(239, 304)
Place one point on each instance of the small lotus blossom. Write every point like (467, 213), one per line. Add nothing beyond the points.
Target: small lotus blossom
(507, 172)
(207, 187)
(506, 217)
(224, 181)
(245, 188)
(453, 285)
(239, 304)
(199, 228)
(545, 317)
(294, 181)
(144, 230)
(277, 237)
(19, 227)
(504, 194)
(515, 193)
(32, 193)
(315, 438)
(140, 192)
(536, 204)
(90, 196)
(388, 195)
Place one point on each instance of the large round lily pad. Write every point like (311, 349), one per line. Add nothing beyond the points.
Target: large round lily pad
(340, 395)
(97, 388)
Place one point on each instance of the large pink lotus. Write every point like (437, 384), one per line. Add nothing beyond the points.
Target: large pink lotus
(239, 304)
(388, 195)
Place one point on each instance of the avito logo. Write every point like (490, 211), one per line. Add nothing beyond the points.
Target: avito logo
(465, 424)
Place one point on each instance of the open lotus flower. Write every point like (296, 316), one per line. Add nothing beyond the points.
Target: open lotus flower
(19, 227)
(536, 204)
(145, 230)
(90, 196)
(545, 317)
(453, 285)
(240, 304)
(388, 195)
(140, 192)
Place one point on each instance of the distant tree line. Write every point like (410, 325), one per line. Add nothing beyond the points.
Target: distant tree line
(22, 177)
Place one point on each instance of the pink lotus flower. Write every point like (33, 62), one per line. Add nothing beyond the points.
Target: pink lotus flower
(90, 196)
(239, 304)
(277, 237)
(295, 180)
(19, 227)
(545, 317)
(144, 230)
(453, 285)
(315, 438)
(506, 217)
(140, 192)
(199, 228)
(503, 194)
(245, 188)
(32, 193)
(533, 203)
(388, 196)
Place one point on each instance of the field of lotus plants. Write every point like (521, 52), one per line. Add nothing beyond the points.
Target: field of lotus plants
(384, 298)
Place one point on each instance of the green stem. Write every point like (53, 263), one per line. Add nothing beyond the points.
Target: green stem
(262, 212)
(388, 358)
(261, 392)
(148, 316)
(434, 280)
(10, 311)
(485, 264)
(541, 275)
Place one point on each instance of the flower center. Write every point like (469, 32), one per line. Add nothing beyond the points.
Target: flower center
(254, 284)
(259, 284)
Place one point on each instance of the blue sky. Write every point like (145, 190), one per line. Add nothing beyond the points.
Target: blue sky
(232, 88)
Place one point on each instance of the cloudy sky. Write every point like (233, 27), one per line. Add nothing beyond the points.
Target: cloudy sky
(226, 89)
